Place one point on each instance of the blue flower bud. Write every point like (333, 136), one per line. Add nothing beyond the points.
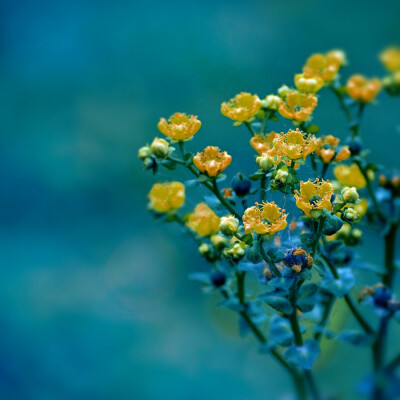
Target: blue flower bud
(241, 185)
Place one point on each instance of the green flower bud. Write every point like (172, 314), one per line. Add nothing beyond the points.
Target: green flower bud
(281, 175)
(229, 225)
(144, 152)
(272, 102)
(235, 251)
(356, 234)
(218, 241)
(148, 163)
(265, 162)
(350, 194)
(160, 147)
(350, 214)
(283, 91)
(204, 249)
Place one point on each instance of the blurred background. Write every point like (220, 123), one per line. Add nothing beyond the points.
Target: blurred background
(94, 297)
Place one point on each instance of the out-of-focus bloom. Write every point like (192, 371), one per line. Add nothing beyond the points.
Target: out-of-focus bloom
(203, 220)
(298, 260)
(144, 152)
(349, 175)
(212, 161)
(314, 196)
(350, 194)
(362, 89)
(166, 197)
(298, 106)
(263, 143)
(294, 145)
(308, 84)
(390, 58)
(266, 218)
(325, 66)
(179, 126)
(229, 225)
(338, 56)
(272, 102)
(160, 147)
(327, 149)
(242, 107)
(361, 207)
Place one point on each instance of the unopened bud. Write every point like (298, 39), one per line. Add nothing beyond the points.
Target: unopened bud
(229, 225)
(265, 162)
(144, 152)
(350, 194)
(281, 176)
(272, 102)
(160, 147)
(350, 214)
(218, 241)
(204, 248)
(283, 91)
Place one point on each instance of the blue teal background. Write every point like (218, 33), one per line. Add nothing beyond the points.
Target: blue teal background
(94, 297)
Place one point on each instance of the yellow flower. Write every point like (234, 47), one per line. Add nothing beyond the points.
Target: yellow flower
(293, 145)
(179, 126)
(212, 161)
(324, 66)
(298, 106)
(167, 197)
(349, 175)
(308, 84)
(327, 149)
(266, 218)
(242, 107)
(263, 143)
(361, 89)
(203, 220)
(314, 196)
(391, 58)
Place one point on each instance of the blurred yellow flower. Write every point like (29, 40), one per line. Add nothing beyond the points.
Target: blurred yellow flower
(294, 145)
(166, 197)
(327, 149)
(179, 126)
(203, 220)
(298, 106)
(391, 58)
(308, 84)
(361, 207)
(212, 161)
(362, 89)
(242, 107)
(349, 175)
(325, 66)
(314, 196)
(338, 56)
(266, 218)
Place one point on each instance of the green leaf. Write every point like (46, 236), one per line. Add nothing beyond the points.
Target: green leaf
(279, 303)
(303, 356)
(312, 128)
(332, 224)
(258, 175)
(355, 337)
(202, 178)
(307, 297)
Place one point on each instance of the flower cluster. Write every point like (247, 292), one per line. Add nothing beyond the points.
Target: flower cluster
(330, 195)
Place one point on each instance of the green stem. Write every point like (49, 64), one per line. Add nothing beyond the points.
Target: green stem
(223, 201)
(390, 247)
(268, 260)
(342, 104)
(324, 170)
(350, 302)
(370, 190)
(263, 190)
(248, 126)
(325, 316)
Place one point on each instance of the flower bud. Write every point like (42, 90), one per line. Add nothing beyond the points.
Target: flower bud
(229, 225)
(356, 234)
(350, 194)
(281, 176)
(204, 249)
(355, 145)
(265, 162)
(218, 241)
(144, 152)
(272, 102)
(160, 147)
(283, 91)
(344, 231)
(350, 214)
(148, 163)
(235, 251)
(241, 184)
(218, 278)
